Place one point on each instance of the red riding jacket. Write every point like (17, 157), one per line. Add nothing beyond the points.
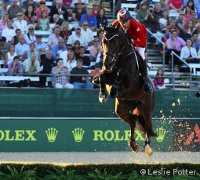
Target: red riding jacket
(137, 31)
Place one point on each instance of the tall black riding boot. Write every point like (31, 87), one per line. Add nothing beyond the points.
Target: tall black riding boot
(148, 88)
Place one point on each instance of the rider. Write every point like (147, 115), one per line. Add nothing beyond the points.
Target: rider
(138, 34)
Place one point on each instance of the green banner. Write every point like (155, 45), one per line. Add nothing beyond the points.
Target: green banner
(77, 134)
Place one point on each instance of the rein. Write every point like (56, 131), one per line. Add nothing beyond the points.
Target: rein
(115, 56)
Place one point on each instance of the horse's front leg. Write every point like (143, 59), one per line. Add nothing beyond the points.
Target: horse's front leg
(103, 95)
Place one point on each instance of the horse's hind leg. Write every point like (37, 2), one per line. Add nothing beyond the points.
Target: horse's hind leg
(124, 110)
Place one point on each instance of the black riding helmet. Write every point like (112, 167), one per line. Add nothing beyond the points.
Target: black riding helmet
(123, 15)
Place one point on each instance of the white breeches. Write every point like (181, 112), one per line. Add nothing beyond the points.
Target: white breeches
(141, 51)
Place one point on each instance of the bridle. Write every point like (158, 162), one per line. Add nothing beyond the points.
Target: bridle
(115, 56)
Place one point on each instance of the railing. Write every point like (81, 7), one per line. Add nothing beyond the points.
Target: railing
(172, 67)
(163, 46)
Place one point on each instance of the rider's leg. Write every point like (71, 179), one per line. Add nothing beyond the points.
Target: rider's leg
(143, 70)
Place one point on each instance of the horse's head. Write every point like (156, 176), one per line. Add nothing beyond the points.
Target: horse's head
(114, 45)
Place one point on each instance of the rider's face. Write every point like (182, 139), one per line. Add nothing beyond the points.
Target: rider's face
(126, 24)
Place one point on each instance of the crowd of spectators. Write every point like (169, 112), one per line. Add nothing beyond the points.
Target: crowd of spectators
(177, 24)
(64, 50)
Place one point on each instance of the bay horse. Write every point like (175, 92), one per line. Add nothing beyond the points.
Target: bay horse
(132, 104)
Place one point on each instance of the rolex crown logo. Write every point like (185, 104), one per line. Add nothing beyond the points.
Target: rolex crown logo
(78, 134)
(51, 134)
(161, 134)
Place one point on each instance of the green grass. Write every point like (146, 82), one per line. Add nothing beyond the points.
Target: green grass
(93, 171)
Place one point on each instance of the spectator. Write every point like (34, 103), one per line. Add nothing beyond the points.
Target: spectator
(187, 13)
(67, 3)
(65, 31)
(101, 18)
(4, 47)
(79, 77)
(43, 21)
(157, 10)
(164, 5)
(58, 9)
(15, 66)
(75, 2)
(87, 32)
(42, 7)
(96, 72)
(184, 33)
(3, 23)
(8, 32)
(29, 15)
(15, 39)
(171, 27)
(20, 23)
(4, 8)
(96, 8)
(28, 3)
(100, 35)
(163, 21)
(88, 16)
(188, 53)
(151, 21)
(180, 21)
(197, 29)
(196, 41)
(77, 36)
(22, 48)
(57, 20)
(58, 49)
(78, 11)
(30, 35)
(14, 9)
(61, 75)
(159, 79)
(175, 5)
(40, 46)
(194, 19)
(142, 12)
(31, 66)
(175, 44)
(83, 56)
(95, 49)
(46, 65)
(76, 48)
(53, 39)
(190, 4)
(10, 55)
(70, 61)
(33, 50)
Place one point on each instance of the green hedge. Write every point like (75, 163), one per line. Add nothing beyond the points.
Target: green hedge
(92, 171)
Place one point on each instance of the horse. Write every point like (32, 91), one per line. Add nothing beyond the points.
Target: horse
(132, 104)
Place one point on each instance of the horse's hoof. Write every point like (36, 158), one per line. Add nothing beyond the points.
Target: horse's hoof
(103, 97)
(134, 147)
(148, 150)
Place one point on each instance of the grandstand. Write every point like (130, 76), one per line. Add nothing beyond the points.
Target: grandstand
(186, 76)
